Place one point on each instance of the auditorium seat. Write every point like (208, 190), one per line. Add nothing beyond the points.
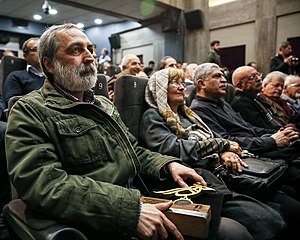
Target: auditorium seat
(230, 94)
(26, 224)
(190, 93)
(130, 101)
(10, 104)
(101, 85)
(9, 64)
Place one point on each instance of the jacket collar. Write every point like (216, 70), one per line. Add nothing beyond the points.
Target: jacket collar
(56, 97)
(216, 103)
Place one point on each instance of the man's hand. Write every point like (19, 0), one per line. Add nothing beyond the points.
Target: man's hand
(233, 161)
(235, 147)
(288, 60)
(111, 95)
(285, 136)
(153, 224)
(180, 173)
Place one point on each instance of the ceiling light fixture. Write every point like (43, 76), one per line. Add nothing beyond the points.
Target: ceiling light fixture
(80, 25)
(46, 7)
(53, 11)
(98, 21)
(37, 17)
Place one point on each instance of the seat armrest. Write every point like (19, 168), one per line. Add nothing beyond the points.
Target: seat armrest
(29, 225)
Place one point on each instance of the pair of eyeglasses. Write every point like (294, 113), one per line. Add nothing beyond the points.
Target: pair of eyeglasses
(277, 85)
(34, 49)
(177, 83)
(295, 85)
(254, 76)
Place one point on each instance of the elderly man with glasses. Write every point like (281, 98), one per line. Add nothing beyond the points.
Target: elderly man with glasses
(270, 98)
(291, 94)
(21, 82)
(248, 83)
(227, 123)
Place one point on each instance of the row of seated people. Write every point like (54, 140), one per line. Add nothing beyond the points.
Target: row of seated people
(66, 181)
(271, 104)
(120, 213)
(175, 84)
(171, 128)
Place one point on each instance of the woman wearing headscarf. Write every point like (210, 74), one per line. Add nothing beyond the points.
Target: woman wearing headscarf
(171, 128)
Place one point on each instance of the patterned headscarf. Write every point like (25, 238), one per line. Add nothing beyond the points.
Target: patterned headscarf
(156, 95)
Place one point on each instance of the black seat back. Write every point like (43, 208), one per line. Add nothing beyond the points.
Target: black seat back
(9, 64)
(230, 93)
(190, 94)
(101, 85)
(228, 97)
(27, 224)
(129, 98)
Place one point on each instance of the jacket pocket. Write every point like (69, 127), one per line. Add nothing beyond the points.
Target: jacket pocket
(81, 141)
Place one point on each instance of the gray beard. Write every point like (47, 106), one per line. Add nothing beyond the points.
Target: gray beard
(75, 79)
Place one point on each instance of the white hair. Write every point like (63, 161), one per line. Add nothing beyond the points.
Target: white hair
(276, 74)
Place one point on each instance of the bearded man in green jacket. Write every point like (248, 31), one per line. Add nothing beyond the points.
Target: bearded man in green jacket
(70, 156)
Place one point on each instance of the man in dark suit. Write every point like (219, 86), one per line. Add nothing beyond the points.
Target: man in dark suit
(21, 82)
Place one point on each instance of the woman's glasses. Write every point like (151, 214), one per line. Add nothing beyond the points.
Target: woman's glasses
(177, 83)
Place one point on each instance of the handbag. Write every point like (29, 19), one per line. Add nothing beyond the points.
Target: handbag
(260, 180)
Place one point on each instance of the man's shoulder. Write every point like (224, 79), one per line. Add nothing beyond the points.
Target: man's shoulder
(200, 103)
(17, 74)
(32, 97)
(241, 98)
(277, 58)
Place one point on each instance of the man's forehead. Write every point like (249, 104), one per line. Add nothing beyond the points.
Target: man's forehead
(295, 79)
(72, 35)
(216, 70)
(277, 79)
(134, 60)
(32, 42)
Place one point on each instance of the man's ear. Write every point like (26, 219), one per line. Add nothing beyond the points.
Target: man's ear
(48, 64)
(200, 85)
(25, 55)
(239, 84)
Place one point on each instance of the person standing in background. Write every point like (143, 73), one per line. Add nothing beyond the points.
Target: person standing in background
(213, 55)
(104, 56)
(284, 61)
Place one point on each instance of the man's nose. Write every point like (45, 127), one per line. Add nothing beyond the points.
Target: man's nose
(88, 56)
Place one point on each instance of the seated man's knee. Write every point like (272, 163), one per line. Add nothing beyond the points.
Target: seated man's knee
(232, 230)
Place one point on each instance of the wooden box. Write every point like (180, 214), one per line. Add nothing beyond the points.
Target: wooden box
(191, 220)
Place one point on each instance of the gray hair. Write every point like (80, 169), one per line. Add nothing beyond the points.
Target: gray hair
(126, 59)
(289, 79)
(162, 64)
(48, 44)
(24, 46)
(270, 76)
(203, 70)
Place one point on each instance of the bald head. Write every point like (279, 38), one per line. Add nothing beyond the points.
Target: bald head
(239, 74)
(247, 79)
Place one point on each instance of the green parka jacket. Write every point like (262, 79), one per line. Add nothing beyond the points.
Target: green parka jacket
(72, 161)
